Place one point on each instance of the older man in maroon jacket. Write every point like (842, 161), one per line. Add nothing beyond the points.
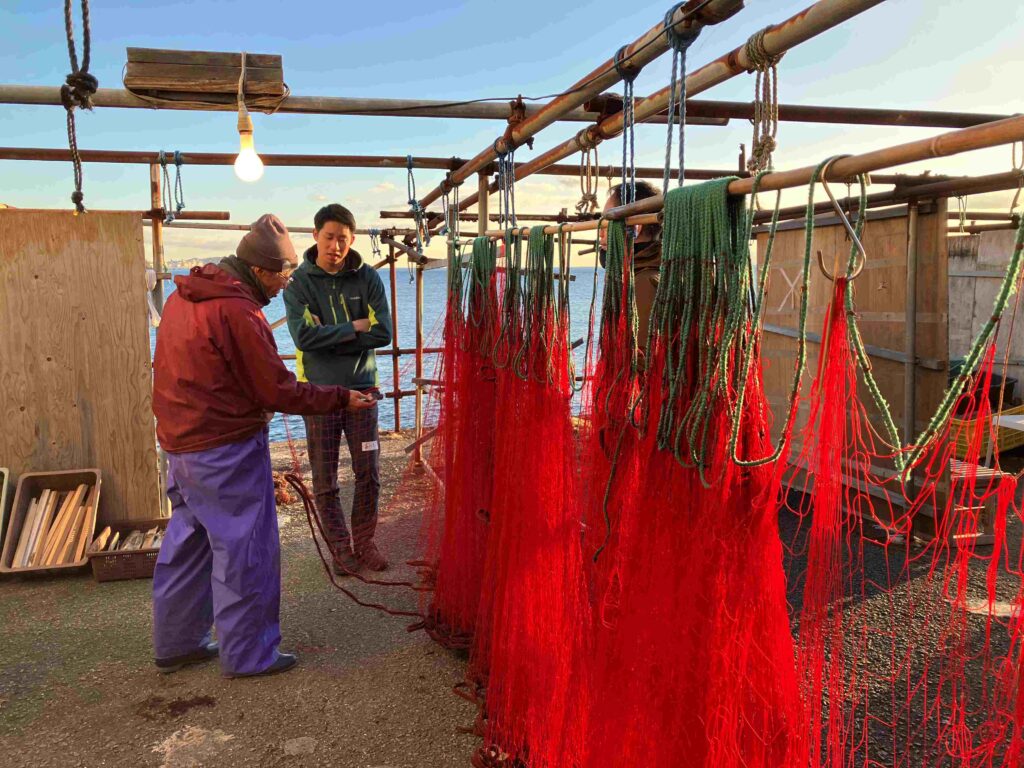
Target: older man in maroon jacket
(217, 377)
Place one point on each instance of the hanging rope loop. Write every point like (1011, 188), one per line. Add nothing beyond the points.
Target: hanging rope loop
(766, 101)
(419, 215)
(77, 91)
(624, 65)
(680, 41)
(171, 194)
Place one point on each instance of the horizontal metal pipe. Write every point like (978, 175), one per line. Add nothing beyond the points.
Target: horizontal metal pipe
(952, 143)
(699, 111)
(985, 216)
(245, 228)
(979, 228)
(946, 144)
(492, 217)
(118, 98)
(919, 118)
(322, 161)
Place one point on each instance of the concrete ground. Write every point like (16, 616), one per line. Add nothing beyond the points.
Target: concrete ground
(78, 687)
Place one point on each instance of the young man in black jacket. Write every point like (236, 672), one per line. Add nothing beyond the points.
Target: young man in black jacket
(337, 316)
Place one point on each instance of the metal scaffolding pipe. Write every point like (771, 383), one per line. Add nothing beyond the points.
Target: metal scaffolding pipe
(492, 217)
(778, 39)
(952, 143)
(117, 98)
(698, 111)
(946, 144)
(794, 113)
(636, 55)
(315, 161)
(226, 227)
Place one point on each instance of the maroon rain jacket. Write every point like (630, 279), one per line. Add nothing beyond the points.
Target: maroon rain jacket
(217, 372)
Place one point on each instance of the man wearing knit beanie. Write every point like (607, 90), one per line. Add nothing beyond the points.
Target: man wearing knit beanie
(217, 375)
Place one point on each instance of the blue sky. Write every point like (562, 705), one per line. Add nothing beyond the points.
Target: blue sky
(925, 54)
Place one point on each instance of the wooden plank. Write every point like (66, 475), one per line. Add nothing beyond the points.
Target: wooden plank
(89, 527)
(72, 527)
(55, 538)
(202, 79)
(100, 542)
(25, 534)
(212, 58)
(76, 371)
(36, 526)
(39, 548)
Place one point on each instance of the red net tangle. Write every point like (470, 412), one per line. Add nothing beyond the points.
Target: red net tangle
(607, 440)
(696, 665)
(531, 633)
(456, 517)
(904, 567)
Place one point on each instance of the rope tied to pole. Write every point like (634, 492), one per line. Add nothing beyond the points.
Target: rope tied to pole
(506, 186)
(419, 215)
(176, 191)
(766, 101)
(77, 91)
(374, 234)
(680, 43)
(628, 73)
(589, 181)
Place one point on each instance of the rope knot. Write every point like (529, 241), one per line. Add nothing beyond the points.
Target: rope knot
(761, 153)
(588, 203)
(680, 39)
(758, 56)
(626, 69)
(78, 90)
(587, 138)
(78, 198)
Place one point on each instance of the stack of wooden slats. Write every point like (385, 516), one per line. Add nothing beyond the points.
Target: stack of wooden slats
(111, 541)
(57, 528)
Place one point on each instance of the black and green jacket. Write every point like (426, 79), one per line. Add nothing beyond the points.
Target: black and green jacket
(321, 308)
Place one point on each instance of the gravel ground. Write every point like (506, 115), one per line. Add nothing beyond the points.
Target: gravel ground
(77, 685)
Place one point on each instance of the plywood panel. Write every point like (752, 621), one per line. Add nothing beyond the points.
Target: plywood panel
(75, 373)
(880, 296)
(983, 259)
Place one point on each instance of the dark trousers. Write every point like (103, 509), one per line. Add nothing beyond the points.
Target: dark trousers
(323, 442)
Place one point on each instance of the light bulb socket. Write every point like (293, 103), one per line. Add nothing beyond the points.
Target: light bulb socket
(244, 121)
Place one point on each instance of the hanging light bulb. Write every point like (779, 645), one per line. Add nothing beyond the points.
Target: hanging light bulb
(248, 166)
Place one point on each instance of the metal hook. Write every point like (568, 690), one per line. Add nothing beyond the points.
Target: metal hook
(846, 223)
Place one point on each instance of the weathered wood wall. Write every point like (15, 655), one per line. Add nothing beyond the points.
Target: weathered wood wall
(75, 372)
(881, 308)
(977, 264)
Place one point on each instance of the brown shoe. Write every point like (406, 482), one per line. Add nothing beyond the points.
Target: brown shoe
(371, 557)
(345, 563)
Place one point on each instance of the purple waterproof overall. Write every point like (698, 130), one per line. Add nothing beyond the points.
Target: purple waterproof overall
(220, 562)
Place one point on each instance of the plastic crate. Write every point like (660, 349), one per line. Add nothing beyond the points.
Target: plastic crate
(30, 485)
(134, 564)
(1006, 438)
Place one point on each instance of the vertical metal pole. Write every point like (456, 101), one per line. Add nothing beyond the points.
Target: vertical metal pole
(417, 451)
(156, 202)
(483, 190)
(396, 381)
(910, 329)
